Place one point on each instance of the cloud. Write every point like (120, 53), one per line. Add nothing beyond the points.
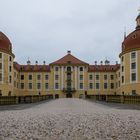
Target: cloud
(46, 29)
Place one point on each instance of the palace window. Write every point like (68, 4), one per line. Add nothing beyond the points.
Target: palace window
(56, 86)
(46, 85)
(81, 68)
(122, 79)
(90, 85)
(0, 77)
(56, 77)
(133, 65)
(30, 86)
(0, 55)
(22, 77)
(10, 79)
(38, 77)
(105, 77)
(10, 68)
(46, 77)
(133, 76)
(68, 76)
(105, 85)
(0, 92)
(122, 68)
(122, 58)
(38, 85)
(81, 85)
(56, 68)
(97, 86)
(112, 85)
(81, 77)
(68, 69)
(97, 77)
(133, 55)
(119, 83)
(30, 77)
(10, 58)
(90, 77)
(0, 66)
(112, 77)
(22, 85)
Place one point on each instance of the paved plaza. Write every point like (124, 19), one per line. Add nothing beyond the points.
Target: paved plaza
(70, 119)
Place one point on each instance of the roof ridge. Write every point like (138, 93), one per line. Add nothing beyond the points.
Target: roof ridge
(68, 57)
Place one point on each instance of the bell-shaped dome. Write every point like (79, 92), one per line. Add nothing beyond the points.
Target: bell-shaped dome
(132, 41)
(5, 44)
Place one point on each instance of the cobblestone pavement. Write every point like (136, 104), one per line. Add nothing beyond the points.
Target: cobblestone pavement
(69, 119)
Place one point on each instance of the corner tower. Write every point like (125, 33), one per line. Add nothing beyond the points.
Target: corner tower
(6, 66)
(130, 62)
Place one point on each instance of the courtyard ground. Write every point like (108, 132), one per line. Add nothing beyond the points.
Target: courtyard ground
(70, 119)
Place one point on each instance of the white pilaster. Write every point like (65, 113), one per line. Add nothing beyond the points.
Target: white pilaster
(75, 70)
(62, 76)
(83, 79)
(2, 67)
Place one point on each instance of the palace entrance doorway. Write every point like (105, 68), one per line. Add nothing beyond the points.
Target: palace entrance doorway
(69, 95)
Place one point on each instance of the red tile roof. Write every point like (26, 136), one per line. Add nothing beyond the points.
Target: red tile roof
(5, 43)
(46, 68)
(104, 68)
(31, 68)
(69, 59)
(132, 41)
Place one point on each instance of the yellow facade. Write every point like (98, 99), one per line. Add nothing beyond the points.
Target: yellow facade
(71, 77)
(6, 83)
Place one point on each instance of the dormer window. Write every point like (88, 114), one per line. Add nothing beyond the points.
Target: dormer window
(134, 36)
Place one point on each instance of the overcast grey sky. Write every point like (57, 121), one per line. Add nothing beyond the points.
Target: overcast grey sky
(46, 29)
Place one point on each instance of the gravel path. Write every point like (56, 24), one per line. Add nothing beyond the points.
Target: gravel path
(70, 119)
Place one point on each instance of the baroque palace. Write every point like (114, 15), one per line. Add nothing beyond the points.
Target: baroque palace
(71, 77)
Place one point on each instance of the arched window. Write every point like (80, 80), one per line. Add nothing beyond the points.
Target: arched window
(68, 68)
(81, 68)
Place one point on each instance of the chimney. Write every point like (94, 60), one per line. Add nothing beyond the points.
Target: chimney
(28, 62)
(36, 62)
(44, 62)
(68, 52)
(107, 62)
(101, 62)
(95, 62)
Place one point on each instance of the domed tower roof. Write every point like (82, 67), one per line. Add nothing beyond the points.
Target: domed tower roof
(5, 44)
(132, 41)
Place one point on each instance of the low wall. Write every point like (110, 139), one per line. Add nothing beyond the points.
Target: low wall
(10, 100)
(128, 99)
